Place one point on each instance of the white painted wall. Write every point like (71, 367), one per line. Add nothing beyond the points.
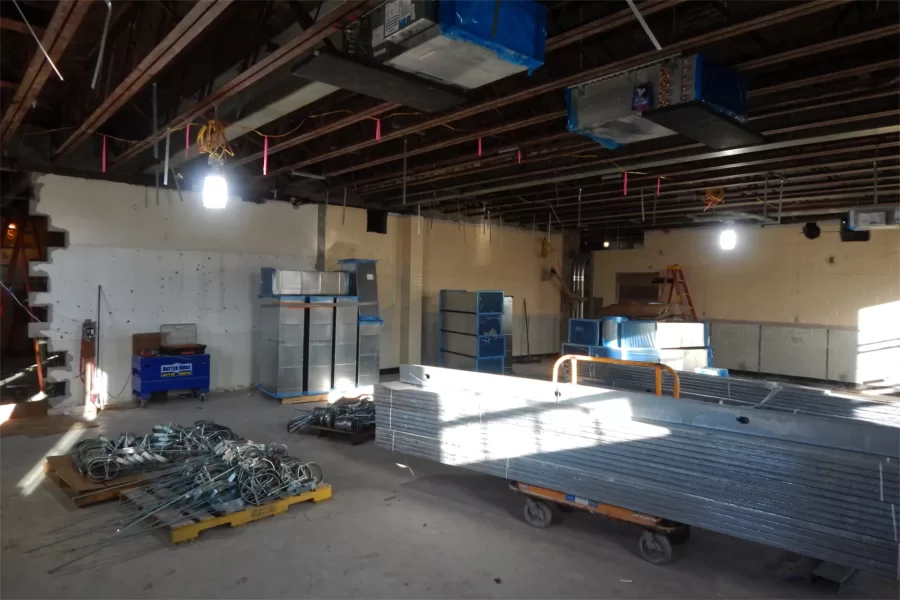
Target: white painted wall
(172, 262)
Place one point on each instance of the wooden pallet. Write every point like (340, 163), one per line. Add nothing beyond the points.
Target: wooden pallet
(185, 526)
(353, 438)
(84, 492)
(305, 399)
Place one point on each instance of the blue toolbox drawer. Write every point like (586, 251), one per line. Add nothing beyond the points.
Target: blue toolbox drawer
(151, 374)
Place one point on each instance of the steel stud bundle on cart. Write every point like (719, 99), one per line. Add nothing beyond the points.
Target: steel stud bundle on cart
(821, 487)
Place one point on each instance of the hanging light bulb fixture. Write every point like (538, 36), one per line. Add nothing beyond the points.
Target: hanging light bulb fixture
(728, 239)
(211, 140)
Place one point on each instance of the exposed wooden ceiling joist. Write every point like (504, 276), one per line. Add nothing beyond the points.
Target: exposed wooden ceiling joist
(19, 26)
(287, 53)
(201, 16)
(60, 31)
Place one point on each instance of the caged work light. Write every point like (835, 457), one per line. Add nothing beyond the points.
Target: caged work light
(215, 187)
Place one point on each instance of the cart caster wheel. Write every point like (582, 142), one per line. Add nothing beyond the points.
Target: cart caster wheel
(202, 397)
(537, 513)
(143, 403)
(655, 548)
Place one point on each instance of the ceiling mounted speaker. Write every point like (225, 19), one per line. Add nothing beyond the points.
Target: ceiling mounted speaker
(811, 230)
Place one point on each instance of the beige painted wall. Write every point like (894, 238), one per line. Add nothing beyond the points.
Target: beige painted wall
(466, 257)
(775, 274)
(346, 237)
(454, 257)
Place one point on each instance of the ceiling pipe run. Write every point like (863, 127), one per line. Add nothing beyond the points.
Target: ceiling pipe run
(629, 217)
(821, 139)
(467, 167)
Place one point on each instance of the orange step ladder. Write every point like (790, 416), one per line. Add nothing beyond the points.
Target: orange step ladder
(674, 279)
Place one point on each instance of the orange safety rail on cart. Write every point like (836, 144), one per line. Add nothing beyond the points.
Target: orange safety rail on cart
(574, 358)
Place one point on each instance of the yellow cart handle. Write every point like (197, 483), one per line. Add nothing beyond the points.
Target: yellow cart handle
(574, 358)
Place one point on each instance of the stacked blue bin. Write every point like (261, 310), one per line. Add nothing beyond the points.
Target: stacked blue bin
(471, 330)
(610, 337)
(678, 344)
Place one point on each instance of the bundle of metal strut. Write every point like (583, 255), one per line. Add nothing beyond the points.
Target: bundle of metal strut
(827, 488)
(103, 459)
(756, 394)
(234, 475)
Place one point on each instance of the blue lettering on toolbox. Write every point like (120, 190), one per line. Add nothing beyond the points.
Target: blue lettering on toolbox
(176, 370)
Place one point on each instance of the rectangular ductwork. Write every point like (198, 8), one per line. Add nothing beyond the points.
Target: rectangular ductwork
(465, 44)
(378, 81)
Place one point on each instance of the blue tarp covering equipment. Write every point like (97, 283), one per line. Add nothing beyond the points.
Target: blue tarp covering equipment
(514, 30)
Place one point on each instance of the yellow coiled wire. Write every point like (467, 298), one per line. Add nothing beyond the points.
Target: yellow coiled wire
(211, 140)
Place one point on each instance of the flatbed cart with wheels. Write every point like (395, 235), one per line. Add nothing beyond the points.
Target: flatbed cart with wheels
(655, 543)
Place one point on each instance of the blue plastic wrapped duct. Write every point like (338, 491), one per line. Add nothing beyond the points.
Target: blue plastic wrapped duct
(585, 332)
(577, 349)
(638, 354)
(611, 331)
(515, 30)
(638, 334)
(721, 87)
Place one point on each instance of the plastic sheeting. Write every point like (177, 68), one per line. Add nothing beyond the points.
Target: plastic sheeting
(585, 332)
(514, 30)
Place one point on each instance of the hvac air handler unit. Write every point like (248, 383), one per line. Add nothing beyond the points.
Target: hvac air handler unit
(694, 96)
(427, 54)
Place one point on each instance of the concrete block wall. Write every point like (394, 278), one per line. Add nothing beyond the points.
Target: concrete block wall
(172, 262)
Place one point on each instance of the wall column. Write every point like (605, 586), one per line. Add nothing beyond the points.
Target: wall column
(411, 254)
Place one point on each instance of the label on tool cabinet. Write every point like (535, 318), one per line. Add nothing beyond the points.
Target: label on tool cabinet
(377, 36)
(176, 370)
(369, 277)
(391, 17)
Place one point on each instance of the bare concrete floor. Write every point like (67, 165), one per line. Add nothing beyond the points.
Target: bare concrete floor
(396, 527)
